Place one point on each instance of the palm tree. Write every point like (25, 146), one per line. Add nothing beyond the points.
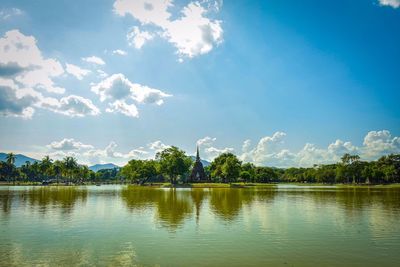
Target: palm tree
(45, 166)
(57, 169)
(10, 158)
(70, 164)
(10, 167)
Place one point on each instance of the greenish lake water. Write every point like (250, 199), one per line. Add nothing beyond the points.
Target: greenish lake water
(130, 226)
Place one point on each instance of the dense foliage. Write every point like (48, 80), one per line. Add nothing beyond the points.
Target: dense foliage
(173, 165)
(60, 171)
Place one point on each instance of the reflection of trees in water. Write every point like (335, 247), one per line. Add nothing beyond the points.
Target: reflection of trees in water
(174, 206)
(6, 198)
(62, 197)
(227, 202)
(198, 196)
(353, 200)
(44, 198)
(140, 198)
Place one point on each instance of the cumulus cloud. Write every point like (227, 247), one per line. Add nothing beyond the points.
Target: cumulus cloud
(206, 141)
(91, 155)
(391, 3)
(192, 32)
(13, 104)
(137, 38)
(265, 150)
(21, 59)
(110, 153)
(26, 76)
(68, 144)
(377, 143)
(269, 150)
(208, 149)
(119, 52)
(76, 106)
(94, 60)
(157, 146)
(119, 90)
(120, 106)
(76, 71)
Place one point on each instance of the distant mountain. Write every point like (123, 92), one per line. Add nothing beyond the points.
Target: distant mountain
(19, 159)
(99, 167)
(204, 162)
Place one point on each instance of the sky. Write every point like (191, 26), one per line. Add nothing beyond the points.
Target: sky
(278, 83)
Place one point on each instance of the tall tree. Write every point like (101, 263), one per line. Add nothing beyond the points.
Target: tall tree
(226, 167)
(174, 163)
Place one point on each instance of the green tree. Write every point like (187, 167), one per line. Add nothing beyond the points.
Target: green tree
(226, 167)
(174, 163)
(46, 167)
(251, 169)
(265, 175)
(139, 171)
(69, 167)
(245, 176)
(57, 170)
(10, 170)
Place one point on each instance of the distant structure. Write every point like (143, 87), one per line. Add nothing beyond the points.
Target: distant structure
(198, 174)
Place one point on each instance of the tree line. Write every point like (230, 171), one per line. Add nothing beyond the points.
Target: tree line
(173, 165)
(59, 171)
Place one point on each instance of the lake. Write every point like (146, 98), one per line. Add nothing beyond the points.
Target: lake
(117, 225)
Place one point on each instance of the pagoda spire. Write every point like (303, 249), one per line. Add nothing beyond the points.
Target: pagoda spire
(197, 154)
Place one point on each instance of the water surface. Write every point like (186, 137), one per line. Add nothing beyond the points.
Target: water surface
(125, 226)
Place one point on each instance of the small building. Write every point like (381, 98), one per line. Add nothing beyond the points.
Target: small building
(198, 175)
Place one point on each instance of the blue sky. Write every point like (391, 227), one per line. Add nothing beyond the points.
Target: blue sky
(283, 83)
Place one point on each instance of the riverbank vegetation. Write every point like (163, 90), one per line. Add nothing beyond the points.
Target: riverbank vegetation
(173, 166)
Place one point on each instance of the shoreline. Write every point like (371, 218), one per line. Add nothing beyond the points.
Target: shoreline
(212, 185)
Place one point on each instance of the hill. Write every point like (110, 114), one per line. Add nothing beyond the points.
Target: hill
(98, 167)
(19, 159)
(204, 162)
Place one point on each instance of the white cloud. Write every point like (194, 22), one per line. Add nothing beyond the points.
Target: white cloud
(206, 141)
(378, 143)
(110, 154)
(192, 32)
(94, 60)
(21, 102)
(115, 87)
(137, 38)
(270, 153)
(391, 3)
(7, 13)
(246, 145)
(118, 89)
(267, 152)
(68, 144)
(265, 149)
(146, 11)
(157, 146)
(208, 150)
(13, 104)
(21, 59)
(76, 71)
(119, 52)
(119, 106)
(77, 106)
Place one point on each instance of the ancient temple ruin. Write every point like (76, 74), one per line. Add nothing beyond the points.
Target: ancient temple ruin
(198, 174)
